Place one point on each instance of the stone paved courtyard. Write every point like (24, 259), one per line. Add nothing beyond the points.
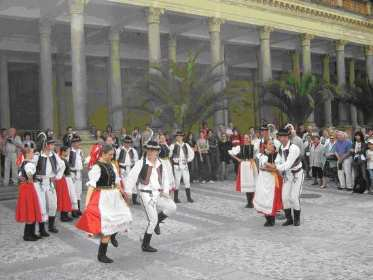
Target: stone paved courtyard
(214, 238)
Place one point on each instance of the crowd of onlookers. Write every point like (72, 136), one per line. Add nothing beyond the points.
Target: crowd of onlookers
(328, 155)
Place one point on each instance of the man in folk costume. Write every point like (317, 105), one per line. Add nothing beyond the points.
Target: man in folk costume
(127, 156)
(247, 170)
(265, 135)
(151, 178)
(47, 166)
(76, 168)
(181, 153)
(268, 190)
(288, 162)
(106, 212)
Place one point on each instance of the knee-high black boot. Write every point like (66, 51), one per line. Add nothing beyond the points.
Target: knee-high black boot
(289, 217)
(189, 197)
(42, 231)
(134, 199)
(146, 244)
(51, 227)
(161, 217)
(102, 254)
(176, 196)
(78, 212)
(296, 218)
(249, 198)
(27, 235)
(113, 240)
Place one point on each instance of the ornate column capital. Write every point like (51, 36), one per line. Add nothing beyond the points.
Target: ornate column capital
(340, 45)
(114, 33)
(265, 32)
(154, 15)
(368, 50)
(306, 39)
(77, 6)
(215, 24)
(45, 26)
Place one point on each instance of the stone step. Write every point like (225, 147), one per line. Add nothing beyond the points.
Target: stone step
(8, 193)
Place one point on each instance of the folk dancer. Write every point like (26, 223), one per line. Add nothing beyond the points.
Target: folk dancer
(181, 153)
(151, 178)
(127, 156)
(247, 171)
(268, 191)
(47, 166)
(76, 168)
(28, 207)
(106, 212)
(164, 157)
(289, 163)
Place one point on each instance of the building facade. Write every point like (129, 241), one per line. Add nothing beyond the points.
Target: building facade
(71, 62)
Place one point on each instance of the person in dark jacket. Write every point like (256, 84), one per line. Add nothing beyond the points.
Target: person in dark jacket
(358, 152)
(225, 159)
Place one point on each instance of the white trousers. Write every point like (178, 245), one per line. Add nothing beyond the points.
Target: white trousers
(345, 175)
(47, 199)
(72, 192)
(154, 204)
(77, 179)
(292, 189)
(182, 172)
(10, 163)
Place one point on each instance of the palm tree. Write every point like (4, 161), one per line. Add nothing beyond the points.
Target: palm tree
(182, 95)
(361, 95)
(297, 97)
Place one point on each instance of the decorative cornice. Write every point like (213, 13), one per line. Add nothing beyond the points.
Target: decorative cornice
(154, 15)
(77, 6)
(215, 24)
(298, 8)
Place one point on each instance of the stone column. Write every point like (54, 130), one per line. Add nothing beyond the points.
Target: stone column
(265, 53)
(4, 93)
(78, 63)
(351, 82)
(224, 71)
(328, 102)
(307, 66)
(154, 37)
(265, 70)
(46, 95)
(295, 64)
(215, 54)
(369, 62)
(172, 49)
(115, 80)
(341, 77)
(61, 95)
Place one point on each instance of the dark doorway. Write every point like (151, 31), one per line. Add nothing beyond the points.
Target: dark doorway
(24, 95)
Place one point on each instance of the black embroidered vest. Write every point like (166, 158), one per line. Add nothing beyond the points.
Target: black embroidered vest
(72, 159)
(107, 177)
(164, 152)
(123, 154)
(67, 171)
(41, 167)
(246, 152)
(146, 172)
(176, 151)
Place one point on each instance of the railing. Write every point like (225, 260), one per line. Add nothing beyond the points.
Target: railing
(361, 7)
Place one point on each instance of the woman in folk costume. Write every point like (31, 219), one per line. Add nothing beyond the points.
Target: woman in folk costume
(28, 208)
(268, 190)
(106, 212)
(247, 171)
(66, 195)
(164, 156)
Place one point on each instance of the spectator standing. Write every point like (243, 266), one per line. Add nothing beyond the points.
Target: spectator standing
(12, 146)
(204, 162)
(330, 168)
(317, 160)
(359, 167)
(369, 156)
(343, 152)
(225, 158)
(193, 165)
(213, 155)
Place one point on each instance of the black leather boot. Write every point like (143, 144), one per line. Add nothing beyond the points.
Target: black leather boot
(65, 217)
(289, 218)
(134, 199)
(146, 244)
(270, 221)
(32, 231)
(78, 212)
(102, 254)
(43, 232)
(74, 214)
(161, 217)
(176, 196)
(51, 226)
(27, 235)
(249, 198)
(296, 218)
(113, 240)
(189, 198)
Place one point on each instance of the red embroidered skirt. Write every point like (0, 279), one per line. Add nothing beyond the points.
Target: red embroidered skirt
(28, 208)
(63, 197)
